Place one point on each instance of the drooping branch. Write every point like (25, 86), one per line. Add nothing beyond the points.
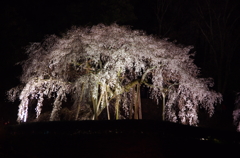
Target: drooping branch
(163, 106)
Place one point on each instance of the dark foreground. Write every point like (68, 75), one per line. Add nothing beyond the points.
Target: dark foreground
(116, 139)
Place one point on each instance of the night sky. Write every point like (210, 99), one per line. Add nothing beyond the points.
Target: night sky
(213, 28)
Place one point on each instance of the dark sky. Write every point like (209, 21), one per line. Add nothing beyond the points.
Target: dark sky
(213, 28)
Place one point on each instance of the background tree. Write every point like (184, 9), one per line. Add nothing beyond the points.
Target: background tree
(102, 68)
(167, 13)
(218, 27)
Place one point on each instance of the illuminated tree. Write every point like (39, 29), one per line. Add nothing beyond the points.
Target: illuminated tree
(103, 67)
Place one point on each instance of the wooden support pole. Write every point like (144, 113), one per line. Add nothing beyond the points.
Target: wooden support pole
(139, 102)
(107, 103)
(135, 104)
(117, 107)
(80, 100)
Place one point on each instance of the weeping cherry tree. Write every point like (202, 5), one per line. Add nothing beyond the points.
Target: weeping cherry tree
(102, 68)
